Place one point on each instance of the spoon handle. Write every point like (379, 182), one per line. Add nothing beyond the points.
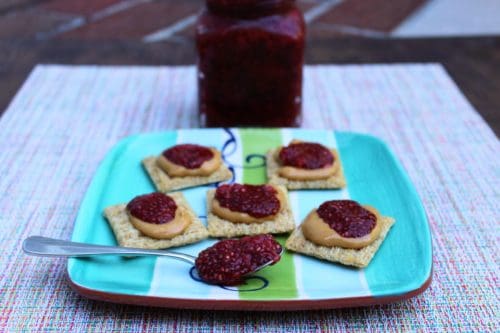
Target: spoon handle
(50, 247)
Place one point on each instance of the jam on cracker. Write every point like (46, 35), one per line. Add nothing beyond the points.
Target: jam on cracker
(247, 203)
(343, 223)
(306, 155)
(306, 161)
(157, 215)
(228, 261)
(189, 160)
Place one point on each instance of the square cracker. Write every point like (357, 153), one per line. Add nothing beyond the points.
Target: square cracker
(128, 236)
(337, 180)
(218, 227)
(351, 257)
(164, 183)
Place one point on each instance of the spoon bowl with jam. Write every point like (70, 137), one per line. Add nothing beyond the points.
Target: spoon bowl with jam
(227, 262)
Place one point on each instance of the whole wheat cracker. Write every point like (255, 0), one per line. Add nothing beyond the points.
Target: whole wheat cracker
(128, 236)
(164, 183)
(351, 257)
(218, 227)
(337, 180)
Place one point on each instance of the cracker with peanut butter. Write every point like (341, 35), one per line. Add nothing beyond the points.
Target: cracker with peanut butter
(164, 183)
(351, 257)
(334, 181)
(218, 227)
(128, 236)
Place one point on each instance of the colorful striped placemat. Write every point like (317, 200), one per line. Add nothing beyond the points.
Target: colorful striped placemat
(65, 119)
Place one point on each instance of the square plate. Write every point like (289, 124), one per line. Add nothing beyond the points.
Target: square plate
(401, 268)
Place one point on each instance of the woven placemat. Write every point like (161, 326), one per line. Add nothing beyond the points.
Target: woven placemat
(64, 120)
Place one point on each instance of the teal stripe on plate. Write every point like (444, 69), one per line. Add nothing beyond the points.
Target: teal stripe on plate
(111, 186)
(404, 260)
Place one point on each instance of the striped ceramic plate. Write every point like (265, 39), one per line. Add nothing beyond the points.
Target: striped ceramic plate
(400, 269)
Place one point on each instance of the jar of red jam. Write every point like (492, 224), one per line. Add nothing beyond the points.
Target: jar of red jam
(250, 59)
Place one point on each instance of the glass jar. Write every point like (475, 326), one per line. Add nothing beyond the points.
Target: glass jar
(250, 59)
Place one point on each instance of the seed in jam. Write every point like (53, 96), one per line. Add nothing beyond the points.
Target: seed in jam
(348, 218)
(306, 155)
(156, 208)
(189, 156)
(255, 200)
(228, 261)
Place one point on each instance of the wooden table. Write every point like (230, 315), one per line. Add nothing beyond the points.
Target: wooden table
(474, 63)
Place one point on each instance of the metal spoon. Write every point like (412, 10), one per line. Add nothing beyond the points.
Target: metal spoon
(51, 247)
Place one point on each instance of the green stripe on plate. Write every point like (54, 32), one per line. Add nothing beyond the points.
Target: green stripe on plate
(281, 277)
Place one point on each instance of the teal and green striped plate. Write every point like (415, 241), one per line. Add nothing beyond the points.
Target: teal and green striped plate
(401, 268)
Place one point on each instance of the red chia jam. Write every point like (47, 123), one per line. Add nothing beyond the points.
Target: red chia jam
(156, 208)
(229, 260)
(250, 59)
(306, 155)
(348, 218)
(255, 200)
(188, 155)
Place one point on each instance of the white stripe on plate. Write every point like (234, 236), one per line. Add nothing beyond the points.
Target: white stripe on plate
(171, 278)
(287, 136)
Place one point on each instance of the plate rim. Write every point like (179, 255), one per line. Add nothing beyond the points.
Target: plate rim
(245, 305)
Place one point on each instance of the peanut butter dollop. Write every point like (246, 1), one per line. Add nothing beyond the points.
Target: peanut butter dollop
(240, 217)
(176, 170)
(294, 173)
(167, 230)
(320, 233)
